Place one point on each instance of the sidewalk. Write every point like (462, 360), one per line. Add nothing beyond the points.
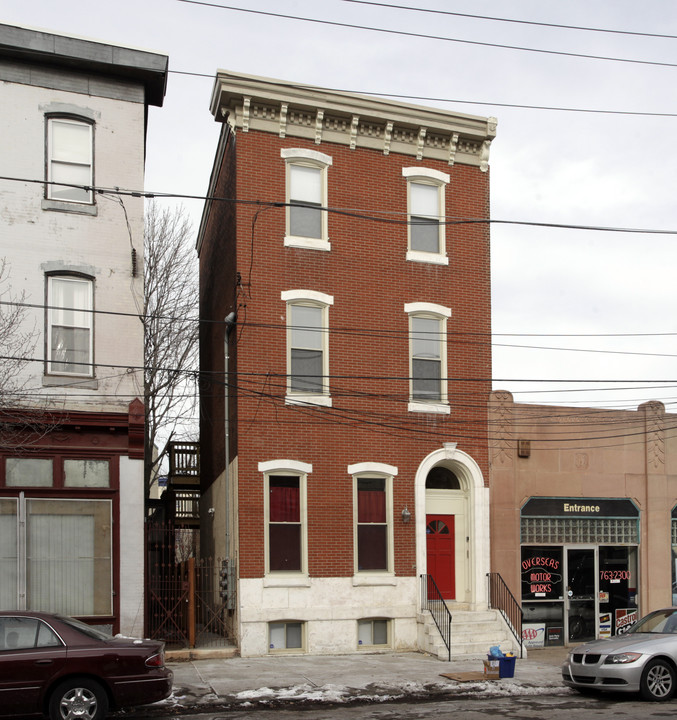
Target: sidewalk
(201, 685)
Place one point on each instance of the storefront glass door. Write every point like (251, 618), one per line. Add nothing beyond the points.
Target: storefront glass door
(581, 594)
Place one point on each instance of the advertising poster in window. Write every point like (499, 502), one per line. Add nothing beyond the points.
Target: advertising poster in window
(625, 619)
(533, 635)
(542, 573)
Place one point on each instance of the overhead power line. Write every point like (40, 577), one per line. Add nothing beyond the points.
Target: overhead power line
(380, 217)
(456, 101)
(457, 337)
(426, 36)
(512, 20)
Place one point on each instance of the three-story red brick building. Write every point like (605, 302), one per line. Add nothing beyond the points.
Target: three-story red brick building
(345, 363)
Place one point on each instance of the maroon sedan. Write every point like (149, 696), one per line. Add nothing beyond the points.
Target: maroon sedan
(56, 666)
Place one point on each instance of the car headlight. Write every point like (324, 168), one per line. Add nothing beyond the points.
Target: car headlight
(622, 658)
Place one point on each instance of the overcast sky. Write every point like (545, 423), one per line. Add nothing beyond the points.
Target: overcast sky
(559, 291)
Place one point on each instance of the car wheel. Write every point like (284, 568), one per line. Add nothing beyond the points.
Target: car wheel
(658, 680)
(78, 698)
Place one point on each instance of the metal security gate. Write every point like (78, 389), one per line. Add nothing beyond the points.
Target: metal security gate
(189, 601)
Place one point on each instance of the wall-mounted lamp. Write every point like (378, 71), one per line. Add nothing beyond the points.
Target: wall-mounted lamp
(406, 515)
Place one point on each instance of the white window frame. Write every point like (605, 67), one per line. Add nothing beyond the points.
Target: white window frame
(377, 471)
(86, 312)
(370, 622)
(285, 649)
(319, 161)
(53, 162)
(321, 301)
(289, 468)
(429, 311)
(439, 180)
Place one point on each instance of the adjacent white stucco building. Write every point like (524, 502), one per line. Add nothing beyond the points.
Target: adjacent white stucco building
(74, 115)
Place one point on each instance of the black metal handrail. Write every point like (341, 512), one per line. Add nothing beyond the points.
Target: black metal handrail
(501, 599)
(431, 600)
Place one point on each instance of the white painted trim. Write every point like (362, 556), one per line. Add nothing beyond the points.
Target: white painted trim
(468, 471)
(291, 580)
(424, 257)
(372, 467)
(425, 172)
(130, 516)
(305, 154)
(426, 307)
(307, 243)
(269, 466)
(323, 400)
(310, 295)
(425, 407)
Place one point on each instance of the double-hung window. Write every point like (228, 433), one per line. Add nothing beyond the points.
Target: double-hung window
(285, 512)
(70, 325)
(428, 357)
(426, 214)
(69, 160)
(306, 181)
(307, 346)
(372, 488)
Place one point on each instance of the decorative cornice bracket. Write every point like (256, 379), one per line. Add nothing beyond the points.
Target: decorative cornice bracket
(246, 105)
(453, 146)
(318, 126)
(353, 131)
(421, 143)
(283, 119)
(484, 155)
(388, 137)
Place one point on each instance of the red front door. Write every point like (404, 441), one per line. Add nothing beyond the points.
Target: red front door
(440, 541)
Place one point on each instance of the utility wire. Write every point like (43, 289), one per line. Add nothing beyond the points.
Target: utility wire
(425, 36)
(456, 101)
(370, 378)
(380, 217)
(511, 20)
(475, 339)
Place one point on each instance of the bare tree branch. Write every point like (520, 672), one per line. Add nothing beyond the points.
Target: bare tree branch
(171, 328)
(23, 420)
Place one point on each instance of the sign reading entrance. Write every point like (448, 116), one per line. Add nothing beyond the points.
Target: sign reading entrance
(541, 573)
(579, 507)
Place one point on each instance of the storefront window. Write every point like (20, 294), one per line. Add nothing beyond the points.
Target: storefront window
(617, 590)
(59, 559)
(542, 595)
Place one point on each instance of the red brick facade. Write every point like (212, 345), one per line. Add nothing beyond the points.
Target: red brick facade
(368, 275)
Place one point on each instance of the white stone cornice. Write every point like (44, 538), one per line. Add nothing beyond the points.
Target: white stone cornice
(357, 121)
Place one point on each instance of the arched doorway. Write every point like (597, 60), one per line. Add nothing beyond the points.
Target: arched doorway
(452, 525)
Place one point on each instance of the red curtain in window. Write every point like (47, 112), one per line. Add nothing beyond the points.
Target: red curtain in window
(284, 504)
(371, 506)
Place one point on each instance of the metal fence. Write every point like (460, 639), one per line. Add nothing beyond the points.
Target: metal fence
(189, 600)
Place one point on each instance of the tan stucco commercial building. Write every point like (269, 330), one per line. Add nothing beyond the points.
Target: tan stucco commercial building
(583, 514)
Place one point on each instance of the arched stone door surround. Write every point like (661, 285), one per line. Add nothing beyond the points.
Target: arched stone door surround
(476, 518)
